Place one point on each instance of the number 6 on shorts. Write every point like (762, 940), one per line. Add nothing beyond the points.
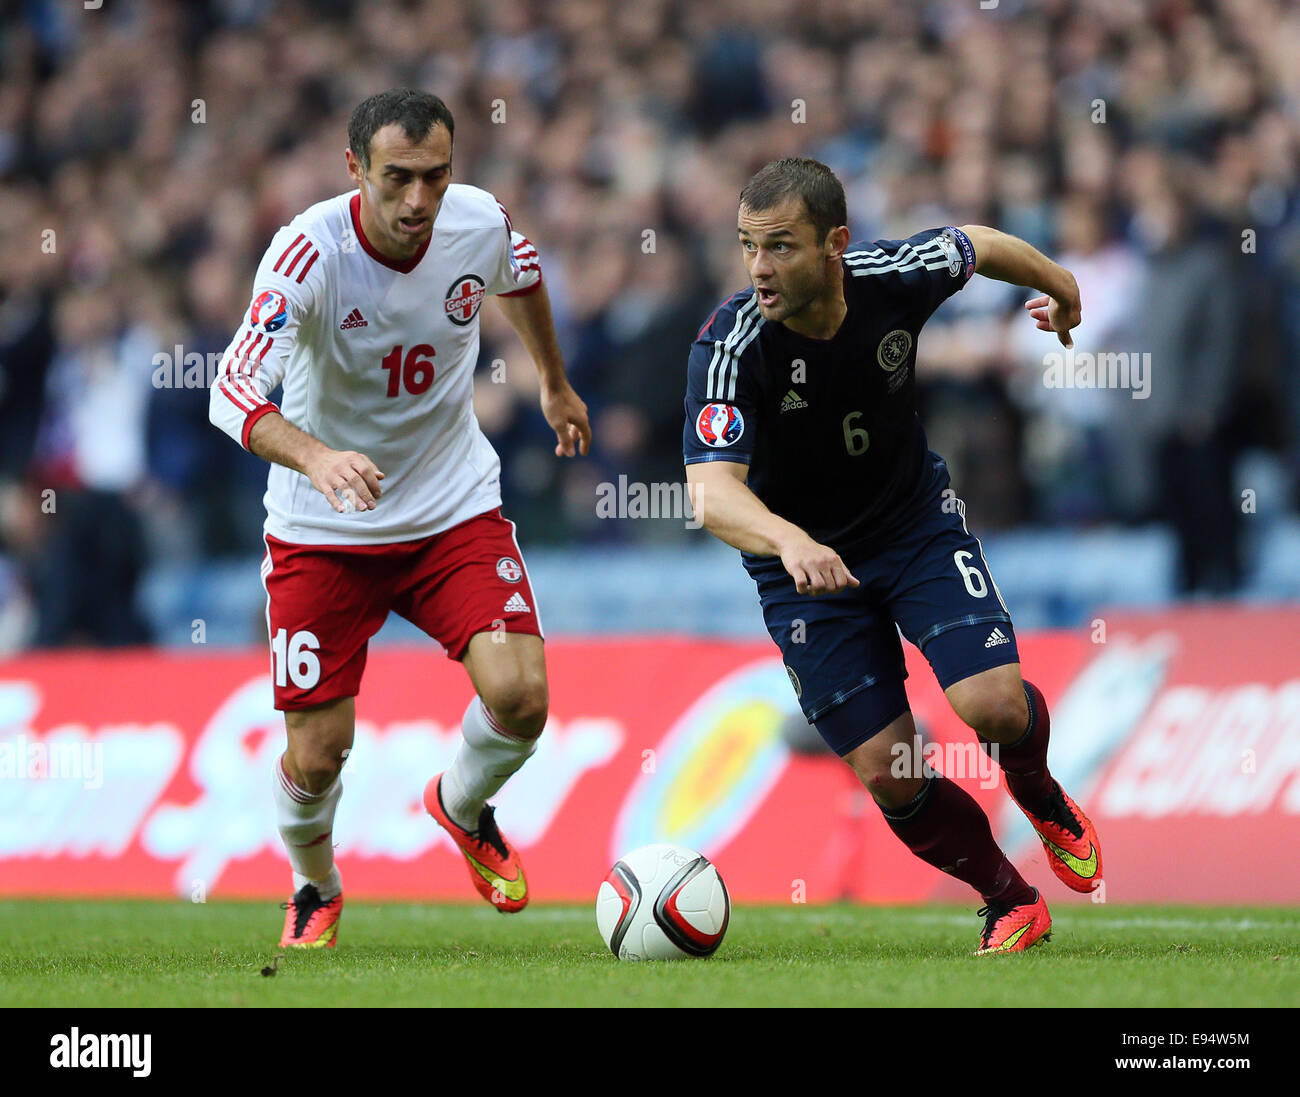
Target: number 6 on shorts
(973, 577)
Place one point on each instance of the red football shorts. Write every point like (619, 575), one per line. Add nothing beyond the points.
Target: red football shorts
(325, 602)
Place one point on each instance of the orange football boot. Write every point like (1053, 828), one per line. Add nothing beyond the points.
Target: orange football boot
(1070, 840)
(309, 921)
(494, 866)
(1014, 929)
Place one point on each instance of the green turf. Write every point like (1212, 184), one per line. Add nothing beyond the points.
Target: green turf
(140, 953)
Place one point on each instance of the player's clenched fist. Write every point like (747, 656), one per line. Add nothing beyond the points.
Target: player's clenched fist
(816, 569)
(350, 481)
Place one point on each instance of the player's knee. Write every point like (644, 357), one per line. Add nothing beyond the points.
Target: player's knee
(887, 786)
(319, 740)
(999, 715)
(317, 768)
(521, 706)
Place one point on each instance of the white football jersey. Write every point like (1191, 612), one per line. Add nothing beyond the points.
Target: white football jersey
(378, 357)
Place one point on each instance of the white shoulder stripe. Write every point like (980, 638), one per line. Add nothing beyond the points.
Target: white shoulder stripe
(735, 357)
(876, 261)
(724, 363)
(905, 253)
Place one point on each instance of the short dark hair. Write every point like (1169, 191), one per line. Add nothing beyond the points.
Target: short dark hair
(810, 180)
(417, 112)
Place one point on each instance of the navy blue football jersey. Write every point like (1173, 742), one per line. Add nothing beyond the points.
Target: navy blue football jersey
(828, 427)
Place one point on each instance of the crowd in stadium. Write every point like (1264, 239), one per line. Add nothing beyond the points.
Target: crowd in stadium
(148, 151)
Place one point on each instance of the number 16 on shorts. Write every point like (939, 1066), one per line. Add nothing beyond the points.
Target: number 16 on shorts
(295, 658)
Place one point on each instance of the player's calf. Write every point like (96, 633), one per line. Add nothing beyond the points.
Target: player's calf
(319, 740)
(883, 764)
(1068, 836)
(306, 824)
(501, 725)
(307, 792)
(934, 817)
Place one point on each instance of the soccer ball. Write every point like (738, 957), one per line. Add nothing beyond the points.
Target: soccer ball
(662, 902)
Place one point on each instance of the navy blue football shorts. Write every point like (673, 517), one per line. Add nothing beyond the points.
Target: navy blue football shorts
(842, 651)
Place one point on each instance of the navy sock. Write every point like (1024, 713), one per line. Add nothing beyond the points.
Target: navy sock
(1024, 762)
(946, 828)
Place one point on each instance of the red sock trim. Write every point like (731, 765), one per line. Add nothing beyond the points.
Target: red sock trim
(291, 790)
(500, 728)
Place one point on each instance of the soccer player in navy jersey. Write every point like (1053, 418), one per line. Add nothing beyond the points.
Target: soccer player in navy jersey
(803, 449)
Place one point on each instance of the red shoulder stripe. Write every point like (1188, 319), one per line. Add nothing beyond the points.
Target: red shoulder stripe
(290, 248)
(303, 273)
(298, 258)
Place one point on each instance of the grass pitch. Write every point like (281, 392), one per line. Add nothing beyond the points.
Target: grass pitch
(142, 953)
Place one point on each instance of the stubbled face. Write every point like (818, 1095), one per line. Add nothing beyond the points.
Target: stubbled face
(787, 264)
(402, 191)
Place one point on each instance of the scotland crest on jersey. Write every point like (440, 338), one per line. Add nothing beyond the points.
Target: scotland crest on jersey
(719, 425)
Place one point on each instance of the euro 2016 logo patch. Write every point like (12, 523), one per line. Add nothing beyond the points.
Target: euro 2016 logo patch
(463, 299)
(509, 570)
(270, 311)
(894, 349)
(719, 425)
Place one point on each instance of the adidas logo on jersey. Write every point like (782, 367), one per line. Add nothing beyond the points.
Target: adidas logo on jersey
(516, 604)
(354, 319)
(996, 637)
(793, 401)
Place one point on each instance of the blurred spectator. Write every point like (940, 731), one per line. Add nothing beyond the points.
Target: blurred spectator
(1070, 446)
(89, 459)
(1177, 462)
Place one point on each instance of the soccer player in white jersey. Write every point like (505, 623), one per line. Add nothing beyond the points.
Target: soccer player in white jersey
(383, 492)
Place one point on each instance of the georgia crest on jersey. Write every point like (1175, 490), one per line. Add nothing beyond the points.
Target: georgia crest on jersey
(376, 356)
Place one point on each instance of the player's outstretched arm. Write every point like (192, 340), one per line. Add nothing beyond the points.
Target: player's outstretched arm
(726, 507)
(530, 316)
(346, 479)
(1010, 259)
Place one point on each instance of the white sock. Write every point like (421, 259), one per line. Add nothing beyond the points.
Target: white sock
(487, 757)
(307, 827)
(327, 888)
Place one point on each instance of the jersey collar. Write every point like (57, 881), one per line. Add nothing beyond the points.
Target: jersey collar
(403, 267)
(819, 342)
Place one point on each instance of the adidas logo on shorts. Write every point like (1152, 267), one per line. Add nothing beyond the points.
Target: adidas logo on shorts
(516, 604)
(354, 319)
(996, 637)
